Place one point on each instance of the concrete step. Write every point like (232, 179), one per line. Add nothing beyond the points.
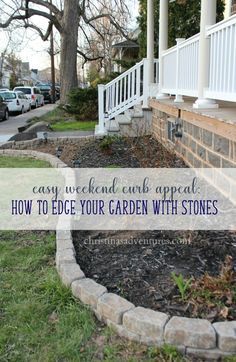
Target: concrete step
(138, 107)
(123, 119)
(134, 113)
(112, 126)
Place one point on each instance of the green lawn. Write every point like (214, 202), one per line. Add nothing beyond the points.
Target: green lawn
(21, 162)
(60, 120)
(74, 126)
(39, 318)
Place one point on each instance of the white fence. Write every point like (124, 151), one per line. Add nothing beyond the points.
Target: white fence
(180, 64)
(222, 69)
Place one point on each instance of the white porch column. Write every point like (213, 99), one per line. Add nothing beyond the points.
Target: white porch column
(100, 128)
(148, 65)
(208, 17)
(163, 42)
(228, 5)
(150, 40)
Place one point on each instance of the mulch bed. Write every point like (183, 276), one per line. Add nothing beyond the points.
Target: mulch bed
(142, 273)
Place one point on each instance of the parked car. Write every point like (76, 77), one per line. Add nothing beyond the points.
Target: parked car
(4, 111)
(46, 90)
(17, 101)
(32, 93)
(4, 89)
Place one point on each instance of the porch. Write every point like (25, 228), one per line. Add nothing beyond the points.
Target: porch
(197, 75)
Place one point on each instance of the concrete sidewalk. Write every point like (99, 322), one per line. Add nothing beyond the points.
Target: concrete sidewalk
(70, 134)
(10, 127)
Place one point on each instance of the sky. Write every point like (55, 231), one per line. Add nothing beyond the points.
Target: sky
(29, 47)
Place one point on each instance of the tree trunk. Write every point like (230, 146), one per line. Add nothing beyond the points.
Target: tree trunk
(69, 42)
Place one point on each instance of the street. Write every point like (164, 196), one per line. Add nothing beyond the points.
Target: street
(10, 127)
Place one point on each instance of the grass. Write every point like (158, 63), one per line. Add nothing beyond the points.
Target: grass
(61, 121)
(21, 162)
(39, 318)
(74, 126)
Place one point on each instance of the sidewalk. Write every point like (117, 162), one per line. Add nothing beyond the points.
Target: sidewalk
(10, 127)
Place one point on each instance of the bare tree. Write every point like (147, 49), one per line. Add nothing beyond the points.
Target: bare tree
(9, 48)
(67, 16)
(100, 38)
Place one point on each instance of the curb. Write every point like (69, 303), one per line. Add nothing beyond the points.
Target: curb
(197, 338)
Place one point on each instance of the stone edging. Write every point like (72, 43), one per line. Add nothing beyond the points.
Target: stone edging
(193, 337)
(38, 141)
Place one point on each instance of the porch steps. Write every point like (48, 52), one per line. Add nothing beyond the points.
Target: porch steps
(130, 123)
(112, 126)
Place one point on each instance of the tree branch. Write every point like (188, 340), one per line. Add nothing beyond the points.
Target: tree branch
(45, 36)
(28, 14)
(89, 58)
(111, 19)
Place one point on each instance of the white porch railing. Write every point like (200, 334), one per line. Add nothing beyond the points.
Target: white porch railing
(180, 64)
(125, 91)
(180, 73)
(222, 68)
(180, 68)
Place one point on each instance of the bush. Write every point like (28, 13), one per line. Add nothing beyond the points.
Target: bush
(84, 103)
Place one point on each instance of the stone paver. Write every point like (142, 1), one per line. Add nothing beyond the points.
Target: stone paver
(69, 273)
(226, 335)
(112, 307)
(190, 332)
(146, 322)
(207, 354)
(63, 244)
(122, 332)
(65, 256)
(88, 291)
(64, 234)
(70, 134)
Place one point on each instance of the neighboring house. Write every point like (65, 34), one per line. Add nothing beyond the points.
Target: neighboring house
(5, 74)
(233, 7)
(126, 50)
(230, 8)
(187, 97)
(44, 75)
(22, 73)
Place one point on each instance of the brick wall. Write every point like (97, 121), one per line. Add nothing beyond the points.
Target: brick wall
(201, 145)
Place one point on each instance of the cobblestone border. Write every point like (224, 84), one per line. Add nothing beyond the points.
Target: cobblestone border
(192, 337)
(21, 145)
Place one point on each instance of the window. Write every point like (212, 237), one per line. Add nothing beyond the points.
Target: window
(233, 8)
(24, 90)
(8, 95)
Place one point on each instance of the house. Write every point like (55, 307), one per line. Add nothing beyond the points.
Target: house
(189, 92)
(45, 75)
(126, 50)
(5, 74)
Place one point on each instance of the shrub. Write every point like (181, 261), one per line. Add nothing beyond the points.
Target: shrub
(84, 103)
